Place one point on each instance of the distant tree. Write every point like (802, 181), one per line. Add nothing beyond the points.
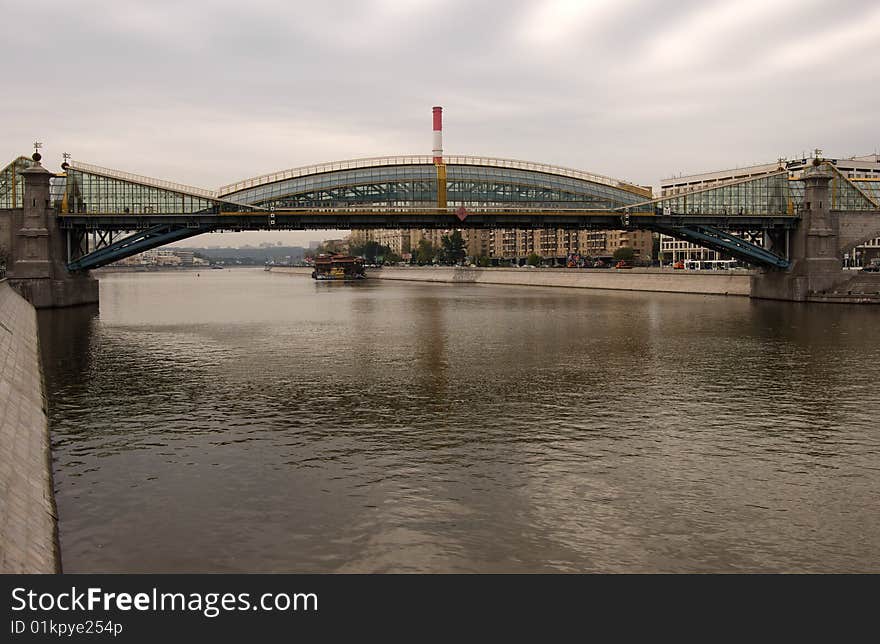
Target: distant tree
(624, 253)
(483, 261)
(331, 247)
(425, 252)
(453, 247)
(534, 259)
(370, 251)
(392, 258)
(375, 253)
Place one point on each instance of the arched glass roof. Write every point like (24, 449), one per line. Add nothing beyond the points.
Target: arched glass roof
(415, 159)
(413, 179)
(388, 181)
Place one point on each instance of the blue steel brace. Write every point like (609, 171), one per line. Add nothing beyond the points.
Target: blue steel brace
(136, 243)
(726, 243)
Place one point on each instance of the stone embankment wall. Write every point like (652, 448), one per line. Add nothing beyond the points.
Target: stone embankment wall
(636, 279)
(862, 288)
(28, 527)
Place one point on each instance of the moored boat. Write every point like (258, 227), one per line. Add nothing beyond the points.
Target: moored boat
(338, 267)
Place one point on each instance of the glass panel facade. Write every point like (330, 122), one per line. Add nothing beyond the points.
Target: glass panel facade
(487, 185)
(845, 196)
(12, 183)
(93, 194)
(349, 187)
(870, 187)
(767, 195)
(795, 195)
(57, 188)
(416, 185)
(391, 193)
(497, 193)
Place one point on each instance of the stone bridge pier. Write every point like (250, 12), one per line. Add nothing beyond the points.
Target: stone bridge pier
(816, 248)
(36, 265)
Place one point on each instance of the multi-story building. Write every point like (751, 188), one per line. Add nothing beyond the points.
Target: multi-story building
(401, 241)
(357, 237)
(854, 168)
(477, 243)
(557, 245)
(606, 242)
(154, 257)
(404, 242)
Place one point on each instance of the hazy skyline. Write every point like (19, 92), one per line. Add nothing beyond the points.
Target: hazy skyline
(207, 93)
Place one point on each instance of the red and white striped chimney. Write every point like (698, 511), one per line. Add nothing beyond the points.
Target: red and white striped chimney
(438, 134)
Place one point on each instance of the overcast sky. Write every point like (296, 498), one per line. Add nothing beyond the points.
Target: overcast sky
(207, 93)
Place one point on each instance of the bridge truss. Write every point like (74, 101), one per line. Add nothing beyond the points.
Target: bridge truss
(126, 214)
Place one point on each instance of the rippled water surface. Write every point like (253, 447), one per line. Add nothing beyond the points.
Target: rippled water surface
(250, 421)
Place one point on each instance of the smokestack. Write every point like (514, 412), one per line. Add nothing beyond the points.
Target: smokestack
(438, 134)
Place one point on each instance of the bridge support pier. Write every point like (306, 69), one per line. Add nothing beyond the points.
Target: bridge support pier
(37, 267)
(816, 267)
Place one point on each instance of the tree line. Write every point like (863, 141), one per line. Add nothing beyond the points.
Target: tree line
(452, 250)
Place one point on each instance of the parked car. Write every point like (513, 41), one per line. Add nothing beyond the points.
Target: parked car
(678, 266)
(871, 268)
(623, 264)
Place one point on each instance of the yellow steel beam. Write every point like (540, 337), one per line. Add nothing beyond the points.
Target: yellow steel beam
(441, 185)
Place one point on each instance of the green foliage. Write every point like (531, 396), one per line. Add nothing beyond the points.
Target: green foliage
(330, 247)
(624, 253)
(425, 253)
(375, 253)
(453, 247)
(534, 259)
(483, 261)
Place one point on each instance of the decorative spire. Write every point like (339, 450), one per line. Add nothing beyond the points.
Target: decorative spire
(36, 156)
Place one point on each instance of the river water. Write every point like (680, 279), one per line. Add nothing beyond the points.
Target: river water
(240, 420)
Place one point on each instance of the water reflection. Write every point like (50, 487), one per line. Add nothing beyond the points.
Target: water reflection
(251, 421)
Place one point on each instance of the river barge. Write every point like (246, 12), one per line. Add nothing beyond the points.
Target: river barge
(338, 267)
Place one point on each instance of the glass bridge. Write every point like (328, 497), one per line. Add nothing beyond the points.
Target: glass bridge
(130, 213)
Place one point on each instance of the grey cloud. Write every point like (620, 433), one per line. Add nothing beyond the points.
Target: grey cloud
(209, 92)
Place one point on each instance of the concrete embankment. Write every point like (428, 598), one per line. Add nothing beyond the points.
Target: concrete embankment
(28, 527)
(636, 279)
